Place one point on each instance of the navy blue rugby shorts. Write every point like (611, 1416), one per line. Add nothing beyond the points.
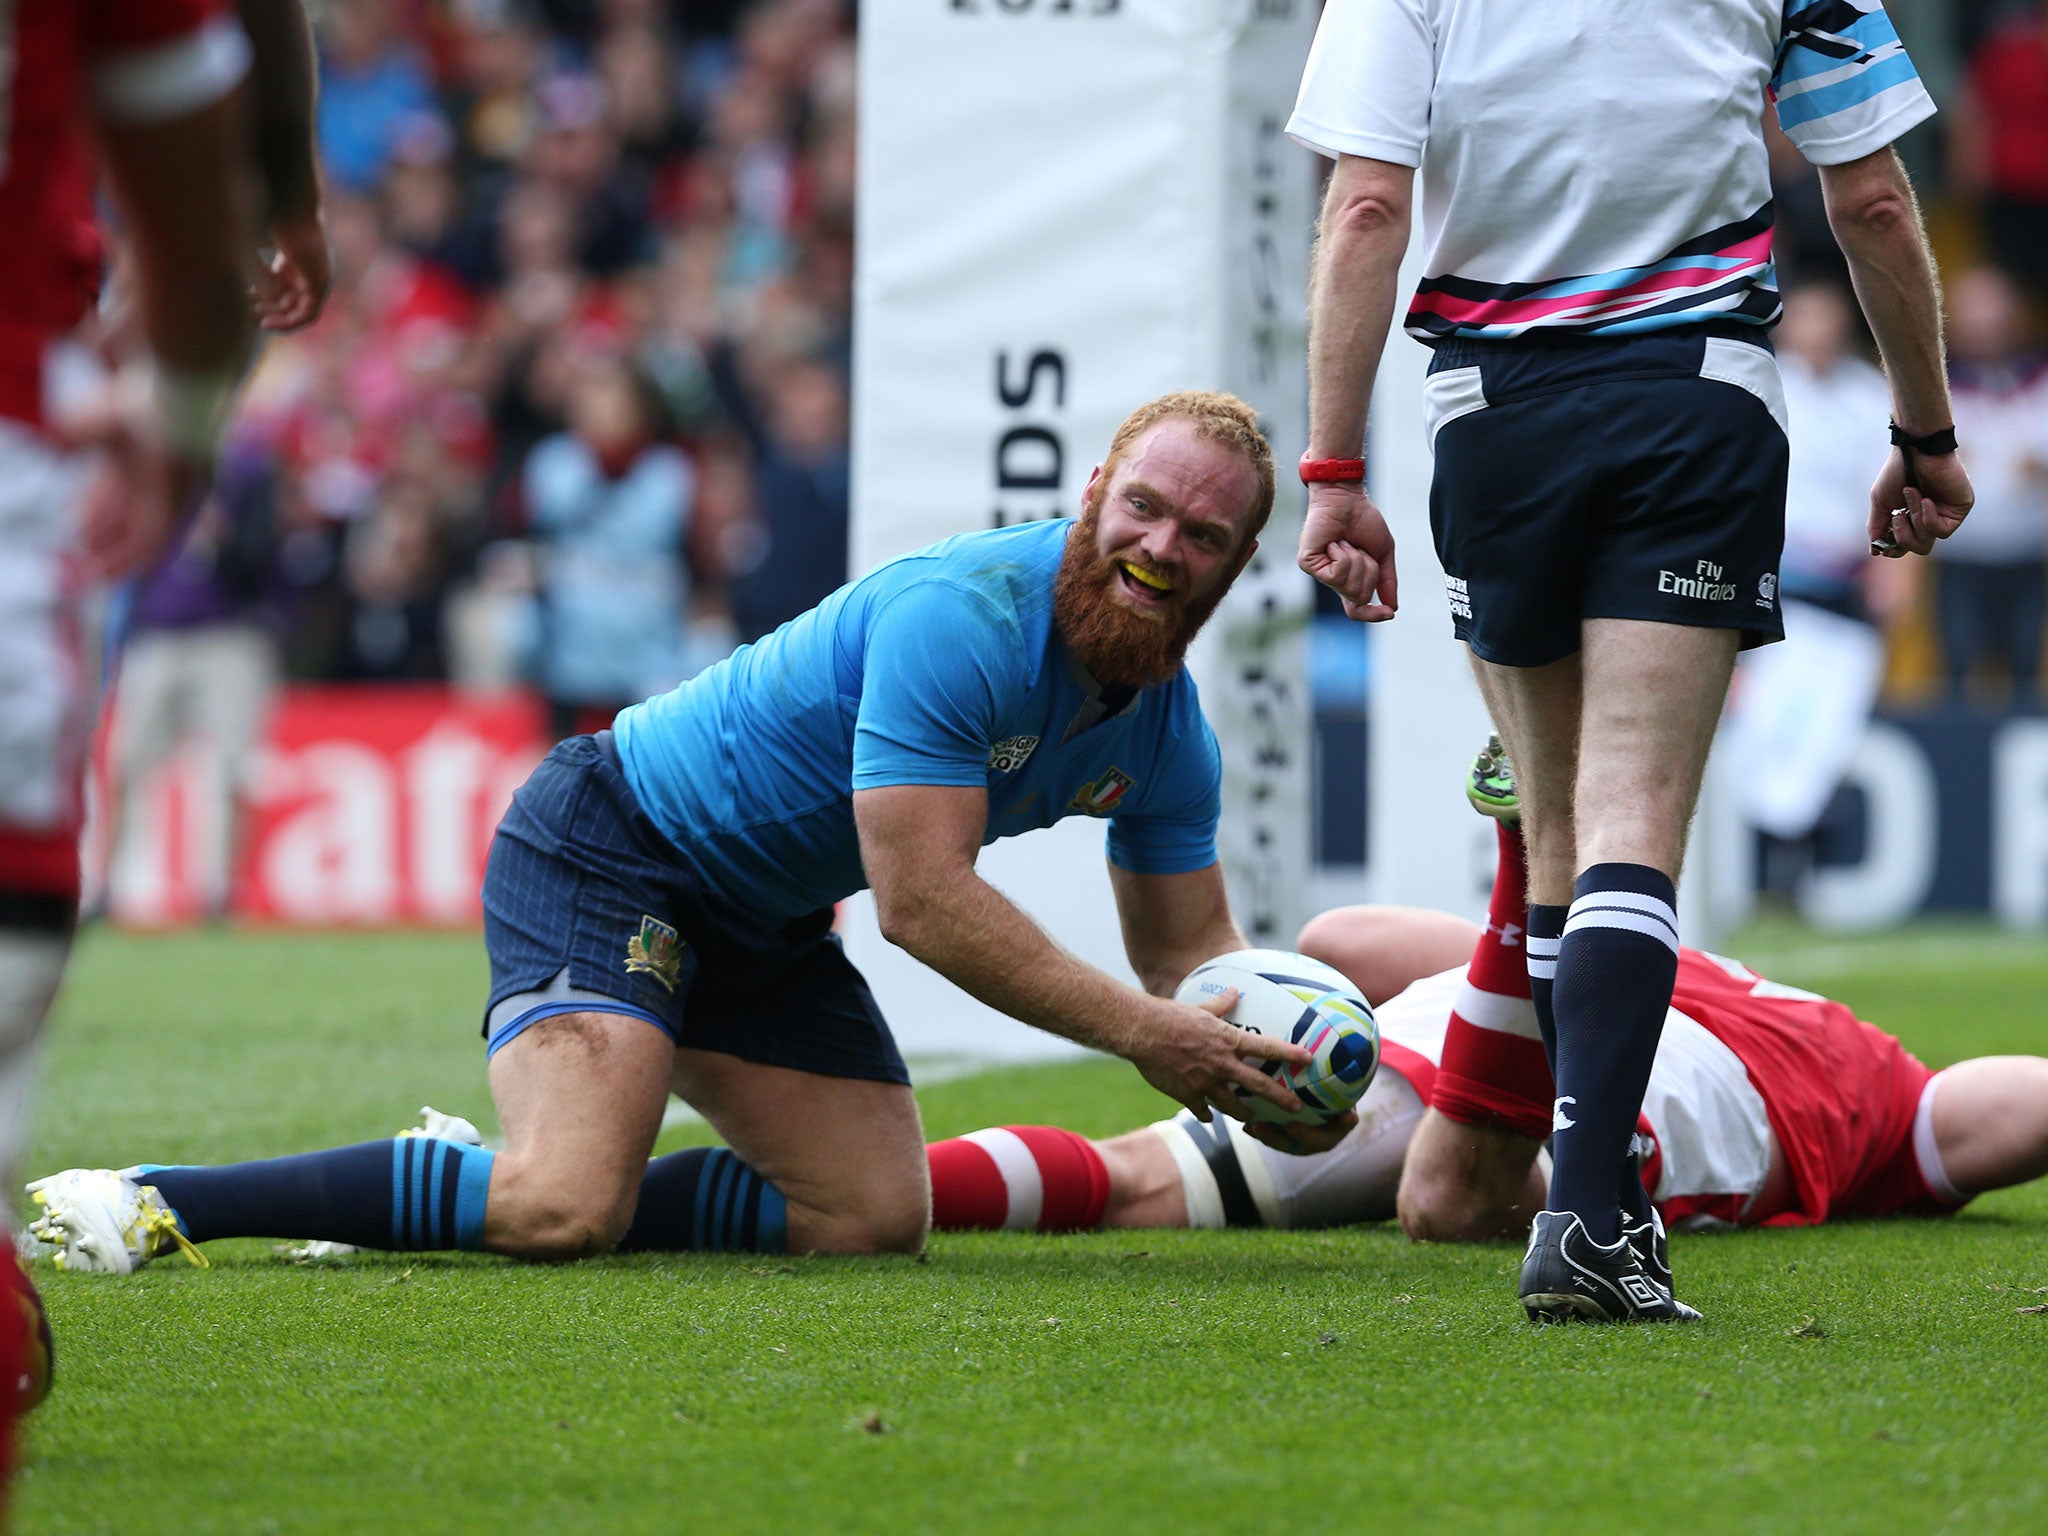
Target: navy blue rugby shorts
(589, 908)
(1638, 477)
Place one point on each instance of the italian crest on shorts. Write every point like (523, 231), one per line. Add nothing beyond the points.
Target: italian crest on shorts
(1103, 795)
(657, 951)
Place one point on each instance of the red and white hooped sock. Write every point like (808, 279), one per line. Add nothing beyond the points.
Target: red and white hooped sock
(1494, 1069)
(1017, 1178)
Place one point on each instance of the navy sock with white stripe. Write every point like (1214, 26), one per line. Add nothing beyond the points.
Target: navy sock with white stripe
(1546, 928)
(1615, 967)
(706, 1199)
(412, 1192)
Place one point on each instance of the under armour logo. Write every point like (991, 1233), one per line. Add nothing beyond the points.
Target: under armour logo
(1510, 935)
(1559, 1120)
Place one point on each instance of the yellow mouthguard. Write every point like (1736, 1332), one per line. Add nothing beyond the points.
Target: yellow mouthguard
(1156, 583)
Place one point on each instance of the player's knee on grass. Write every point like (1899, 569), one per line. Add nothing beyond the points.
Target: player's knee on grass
(1467, 1183)
(880, 1221)
(532, 1215)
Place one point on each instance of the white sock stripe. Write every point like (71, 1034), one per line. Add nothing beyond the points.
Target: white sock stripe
(1021, 1178)
(1542, 970)
(1927, 1151)
(1632, 922)
(1596, 914)
(1256, 1161)
(1198, 1184)
(1540, 944)
(1626, 901)
(1495, 1011)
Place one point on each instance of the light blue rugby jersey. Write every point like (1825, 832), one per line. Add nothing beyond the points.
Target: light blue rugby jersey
(938, 668)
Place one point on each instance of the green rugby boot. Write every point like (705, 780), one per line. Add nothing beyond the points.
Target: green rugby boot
(1491, 786)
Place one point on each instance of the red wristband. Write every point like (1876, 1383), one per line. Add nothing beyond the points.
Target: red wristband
(1317, 471)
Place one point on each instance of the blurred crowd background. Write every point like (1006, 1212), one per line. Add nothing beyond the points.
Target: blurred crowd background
(577, 413)
(576, 416)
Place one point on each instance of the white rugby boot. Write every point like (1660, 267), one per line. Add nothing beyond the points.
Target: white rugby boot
(106, 1221)
(445, 1127)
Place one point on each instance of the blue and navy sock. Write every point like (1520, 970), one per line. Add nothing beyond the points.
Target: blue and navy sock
(706, 1199)
(1546, 927)
(1615, 968)
(407, 1193)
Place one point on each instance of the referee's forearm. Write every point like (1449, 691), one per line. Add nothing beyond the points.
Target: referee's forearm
(1362, 236)
(1877, 221)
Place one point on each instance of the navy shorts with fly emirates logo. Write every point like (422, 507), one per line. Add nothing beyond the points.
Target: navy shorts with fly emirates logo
(1638, 477)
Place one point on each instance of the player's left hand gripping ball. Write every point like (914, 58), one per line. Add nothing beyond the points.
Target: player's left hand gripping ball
(1291, 997)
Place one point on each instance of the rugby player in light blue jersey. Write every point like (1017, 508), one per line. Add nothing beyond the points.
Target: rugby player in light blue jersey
(658, 902)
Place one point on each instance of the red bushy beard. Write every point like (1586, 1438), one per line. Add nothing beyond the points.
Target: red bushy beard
(1120, 647)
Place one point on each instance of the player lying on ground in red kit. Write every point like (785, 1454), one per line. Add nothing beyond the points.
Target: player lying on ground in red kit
(1768, 1106)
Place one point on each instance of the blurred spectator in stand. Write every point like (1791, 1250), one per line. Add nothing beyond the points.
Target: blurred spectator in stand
(371, 81)
(530, 335)
(638, 71)
(497, 56)
(609, 504)
(801, 484)
(422, 198)
(1993, 575)
(578, 156)
(1998, 144)
(198, 670)
(394, 576)
(1800, 708)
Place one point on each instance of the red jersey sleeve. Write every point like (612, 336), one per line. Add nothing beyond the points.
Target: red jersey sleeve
(120, 26)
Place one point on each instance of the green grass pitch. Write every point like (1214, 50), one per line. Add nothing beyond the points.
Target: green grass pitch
(1873, 1377)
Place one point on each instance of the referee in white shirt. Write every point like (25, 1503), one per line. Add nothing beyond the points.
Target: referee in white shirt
(1609, 496)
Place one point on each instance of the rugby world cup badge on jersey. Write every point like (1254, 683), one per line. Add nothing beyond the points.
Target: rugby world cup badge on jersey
(1101, 797)
(1011, 753)
(657, 951)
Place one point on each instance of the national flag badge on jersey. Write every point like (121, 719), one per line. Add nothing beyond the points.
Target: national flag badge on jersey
(657, 951)
(1102, 796)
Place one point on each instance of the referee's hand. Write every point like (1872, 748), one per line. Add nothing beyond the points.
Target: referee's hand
(1347, 546)
(1907, 519)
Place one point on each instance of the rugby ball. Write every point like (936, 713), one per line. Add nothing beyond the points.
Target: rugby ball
(1291, 997)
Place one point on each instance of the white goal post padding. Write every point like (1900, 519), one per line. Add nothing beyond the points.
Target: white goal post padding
(1068, 207)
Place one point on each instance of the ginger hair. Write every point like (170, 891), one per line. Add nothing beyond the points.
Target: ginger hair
(1218, 417)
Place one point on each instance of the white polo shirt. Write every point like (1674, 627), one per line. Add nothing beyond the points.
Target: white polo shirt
(2002, 422)
(1836, 423)
(1595, 165)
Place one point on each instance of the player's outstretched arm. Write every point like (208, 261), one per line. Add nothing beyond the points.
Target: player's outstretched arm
(1172, 923)
(1874, 215)
(182, 183)
(918, 844)
(284, 94)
